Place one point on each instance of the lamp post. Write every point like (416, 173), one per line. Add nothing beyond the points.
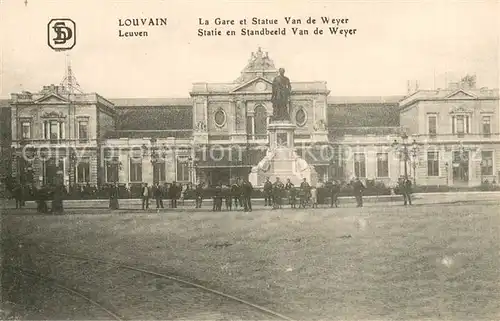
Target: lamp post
(72, 166)
(192, 169)
(402, 148)
(414, 157)
(155, 159)
(482, 170)
(446, 166)
(29, 166)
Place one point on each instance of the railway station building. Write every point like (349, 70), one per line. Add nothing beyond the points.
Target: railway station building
(219, 132)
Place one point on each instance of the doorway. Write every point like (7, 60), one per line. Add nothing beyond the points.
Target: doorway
(460, 167)
(53, 171)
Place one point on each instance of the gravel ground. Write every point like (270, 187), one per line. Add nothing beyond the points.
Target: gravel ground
(425, 262)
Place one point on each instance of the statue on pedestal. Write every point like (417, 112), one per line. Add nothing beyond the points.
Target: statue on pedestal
(281, 96)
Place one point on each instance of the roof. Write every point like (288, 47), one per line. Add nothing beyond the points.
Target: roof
(439, 94)
(337, 100)
(363, 115)
(179, 133)
(4, 103)
(154, 118)
(364, 131)
(303, 86)
(5, 125)
(143, 102)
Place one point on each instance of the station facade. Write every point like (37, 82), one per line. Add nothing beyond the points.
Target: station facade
(437, 137)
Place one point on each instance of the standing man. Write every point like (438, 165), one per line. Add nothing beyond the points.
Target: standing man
(173, 194)
(113, 197)
(405, 186)
(158, 193)
(57, 200)
(278, 188)
(247, 190)
(18, 195)
(288, 189)
(199, 194)
(358, 189)
(236, 193)
(268, 192)
(218, 198)
(227, 194)
(305, 192)
(145, 196)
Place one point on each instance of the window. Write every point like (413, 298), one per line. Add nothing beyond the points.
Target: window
(158, 172)
(112, 170)
(433, 164)
(382, 165)
(300, 117)
(182, 169)
(260, 122)
(486, 125)
(432, 124)
(83, 171)
(53, 130)
(83, 130)
(460, 125)
(220, 118)
(249, 125)
(359, 165)
(135, 170)
(26, 130)
(486, 163)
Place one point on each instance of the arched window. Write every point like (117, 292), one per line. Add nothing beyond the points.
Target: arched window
(260, 125)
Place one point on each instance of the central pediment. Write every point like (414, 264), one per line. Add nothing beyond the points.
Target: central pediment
(461, 94)
(52, 98)
(256, 85)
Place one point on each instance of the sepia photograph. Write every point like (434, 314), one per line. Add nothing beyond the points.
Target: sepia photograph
(248, 160)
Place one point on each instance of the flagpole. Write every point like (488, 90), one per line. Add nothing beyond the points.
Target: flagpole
(434, 83)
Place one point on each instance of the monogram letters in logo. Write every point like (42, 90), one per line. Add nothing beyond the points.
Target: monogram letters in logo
(61, 34)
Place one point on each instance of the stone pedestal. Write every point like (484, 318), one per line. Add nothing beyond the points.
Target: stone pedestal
(281, 159)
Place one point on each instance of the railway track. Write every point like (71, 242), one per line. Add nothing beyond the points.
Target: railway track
(261, 311)
(58, 285)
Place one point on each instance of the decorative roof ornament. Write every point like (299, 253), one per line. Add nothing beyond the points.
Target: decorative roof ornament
(468, 82)
(69, 83)
(259, 64)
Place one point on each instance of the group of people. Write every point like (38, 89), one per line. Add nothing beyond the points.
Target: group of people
(236, 195)
(239, 194)
(43, 194)
(275, 192)
(157, 192)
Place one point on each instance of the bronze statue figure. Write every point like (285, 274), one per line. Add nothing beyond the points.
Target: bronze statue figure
(281, 96)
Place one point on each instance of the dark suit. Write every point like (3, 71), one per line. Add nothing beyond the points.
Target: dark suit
(158, 193)
(358, 189)
(268, 193)
(145, 197)
(405, 187)
(247, 190)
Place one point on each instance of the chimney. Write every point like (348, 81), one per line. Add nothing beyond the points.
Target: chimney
(412, 86)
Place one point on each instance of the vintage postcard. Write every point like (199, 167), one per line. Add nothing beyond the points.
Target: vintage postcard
(249, 160)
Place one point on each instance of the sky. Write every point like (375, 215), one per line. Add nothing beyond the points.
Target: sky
(395, 41)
